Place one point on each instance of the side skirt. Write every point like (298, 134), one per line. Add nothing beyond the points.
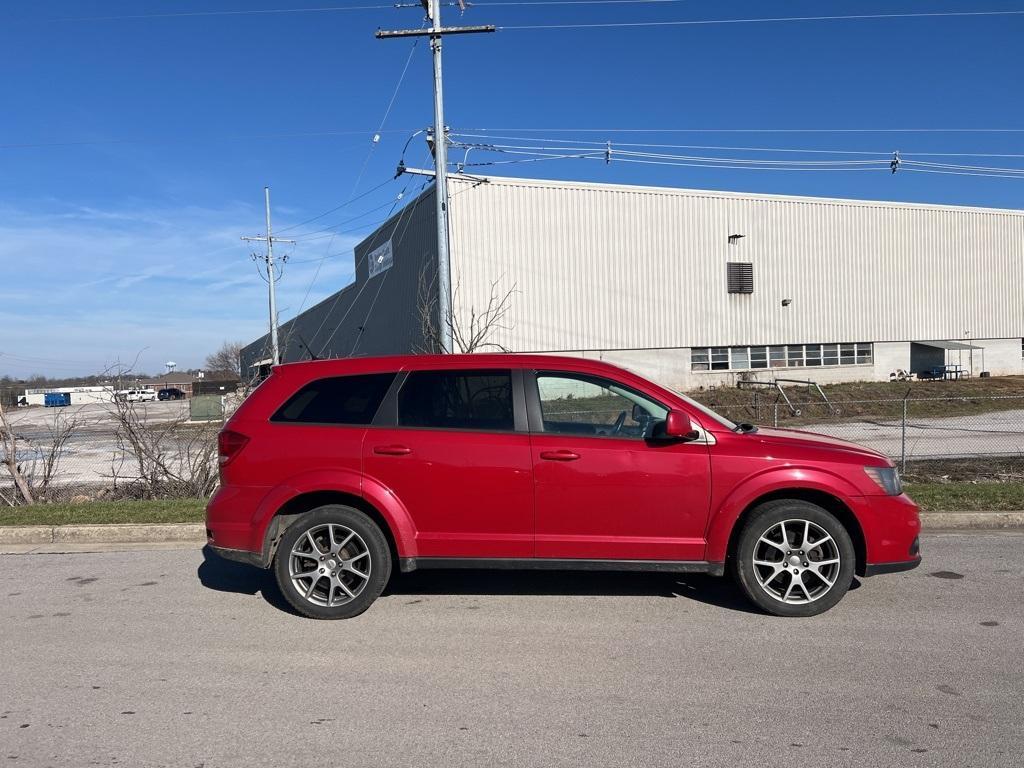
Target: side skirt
(408, 564)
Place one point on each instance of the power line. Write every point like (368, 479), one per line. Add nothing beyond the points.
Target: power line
(752, 130)
(573, 2)
(362, 171)
(194, 14)
(543, 142)
(336, 208)
(198, 139)
(369, 249)
(706, 22)
(525, 153)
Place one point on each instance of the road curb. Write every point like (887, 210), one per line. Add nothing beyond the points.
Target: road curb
(196, 532)
(104, 534)
(971, 521)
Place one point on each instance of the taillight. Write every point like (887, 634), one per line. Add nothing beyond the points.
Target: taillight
(229, 445)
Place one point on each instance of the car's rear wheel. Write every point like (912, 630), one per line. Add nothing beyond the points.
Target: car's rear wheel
(794, 558)
(332, 563)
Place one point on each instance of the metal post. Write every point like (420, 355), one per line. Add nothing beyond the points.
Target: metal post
(903, 438)
(444, 275)
(775, 415)
(275, 351)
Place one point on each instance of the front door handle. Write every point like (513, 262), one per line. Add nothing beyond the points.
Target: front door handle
(392, 450)
(560, 455)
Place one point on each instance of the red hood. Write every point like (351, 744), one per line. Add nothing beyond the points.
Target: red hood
(798, 438)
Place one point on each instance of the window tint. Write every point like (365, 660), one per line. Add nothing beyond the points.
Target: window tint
(457, 400)
(586, 406)
(339, 400)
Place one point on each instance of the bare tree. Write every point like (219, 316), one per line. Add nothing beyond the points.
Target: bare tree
(168, 458)
(50, 452)
(226, 360)
(474, 335)
(9, 441)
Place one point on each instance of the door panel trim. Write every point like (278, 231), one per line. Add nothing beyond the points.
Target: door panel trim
(408, 564)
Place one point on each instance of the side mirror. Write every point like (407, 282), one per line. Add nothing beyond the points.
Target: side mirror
(678, 426)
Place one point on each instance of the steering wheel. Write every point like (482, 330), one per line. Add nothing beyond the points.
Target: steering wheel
(617, 427)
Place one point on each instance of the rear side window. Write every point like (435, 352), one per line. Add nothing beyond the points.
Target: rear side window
(339, 400)
(457, 400)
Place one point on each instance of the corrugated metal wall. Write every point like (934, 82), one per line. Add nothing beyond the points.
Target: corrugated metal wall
(607, 267)
(373, 315)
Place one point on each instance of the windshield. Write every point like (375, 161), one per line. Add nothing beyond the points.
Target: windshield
(728, 424)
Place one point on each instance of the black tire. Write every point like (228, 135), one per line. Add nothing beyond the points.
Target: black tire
(808, 593)
(332, 574)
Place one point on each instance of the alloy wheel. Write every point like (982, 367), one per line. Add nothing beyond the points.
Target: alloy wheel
(329, 565)
(796, 561)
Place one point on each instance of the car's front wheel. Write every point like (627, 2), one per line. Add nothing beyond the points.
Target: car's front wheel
(794, 558)
(332, 563)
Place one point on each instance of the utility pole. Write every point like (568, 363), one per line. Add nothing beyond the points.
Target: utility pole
(435, 32)
(269, 239)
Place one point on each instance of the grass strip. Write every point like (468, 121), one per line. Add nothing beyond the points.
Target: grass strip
(968, 497)
(106, 512)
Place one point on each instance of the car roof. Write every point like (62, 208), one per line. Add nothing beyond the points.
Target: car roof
(388, 363)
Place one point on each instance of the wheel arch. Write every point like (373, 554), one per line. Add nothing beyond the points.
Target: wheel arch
(295, 507)
(827, 501)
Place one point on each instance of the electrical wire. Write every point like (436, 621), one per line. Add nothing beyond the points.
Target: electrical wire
(194, 14)
(753, 130)
(369, 249)
(383, 280)
(531, 153)
(708, 22)
(879, 153)
(336, 208)
(362, 169)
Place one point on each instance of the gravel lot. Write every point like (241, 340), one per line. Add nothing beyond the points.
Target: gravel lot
(152, 658)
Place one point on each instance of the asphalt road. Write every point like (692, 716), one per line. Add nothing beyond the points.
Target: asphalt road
(161, 658)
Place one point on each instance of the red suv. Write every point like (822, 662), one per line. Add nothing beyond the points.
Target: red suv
(333, 471)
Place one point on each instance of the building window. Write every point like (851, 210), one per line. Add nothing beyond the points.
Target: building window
(789, 356)
(739, 277)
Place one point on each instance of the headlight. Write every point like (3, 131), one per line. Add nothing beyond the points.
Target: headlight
(888, 479)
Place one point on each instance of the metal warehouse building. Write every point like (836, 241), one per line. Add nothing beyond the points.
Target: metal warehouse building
(691, 287)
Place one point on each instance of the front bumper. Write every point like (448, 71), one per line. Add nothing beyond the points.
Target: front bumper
(891, 527)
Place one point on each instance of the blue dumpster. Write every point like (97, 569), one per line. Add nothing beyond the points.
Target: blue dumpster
(56, 399)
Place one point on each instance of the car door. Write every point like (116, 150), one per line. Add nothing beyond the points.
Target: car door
(456, 453)
(603, 490)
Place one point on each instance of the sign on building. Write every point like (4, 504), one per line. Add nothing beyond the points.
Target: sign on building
(381, 259)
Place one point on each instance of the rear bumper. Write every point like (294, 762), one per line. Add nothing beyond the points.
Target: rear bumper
(877, 569)
(239, 556)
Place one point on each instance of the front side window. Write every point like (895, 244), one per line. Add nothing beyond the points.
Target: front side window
(457, 400)
(582, 405)
(338, 400)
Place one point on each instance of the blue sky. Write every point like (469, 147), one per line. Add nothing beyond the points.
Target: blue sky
(133, 152)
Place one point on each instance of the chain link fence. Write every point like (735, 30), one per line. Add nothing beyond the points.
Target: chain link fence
(109, 451)
(970, 437)
(153, 450)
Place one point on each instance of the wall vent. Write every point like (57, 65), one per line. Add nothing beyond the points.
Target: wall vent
(739, 277)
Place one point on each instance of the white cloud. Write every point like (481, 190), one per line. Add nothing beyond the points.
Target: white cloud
(84, 287)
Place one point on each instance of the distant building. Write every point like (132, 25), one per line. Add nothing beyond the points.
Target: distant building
(182, 380)
(79, 395)
(691, 287)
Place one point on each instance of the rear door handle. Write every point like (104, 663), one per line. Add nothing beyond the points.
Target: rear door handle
(392, 450)
(560, 455)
